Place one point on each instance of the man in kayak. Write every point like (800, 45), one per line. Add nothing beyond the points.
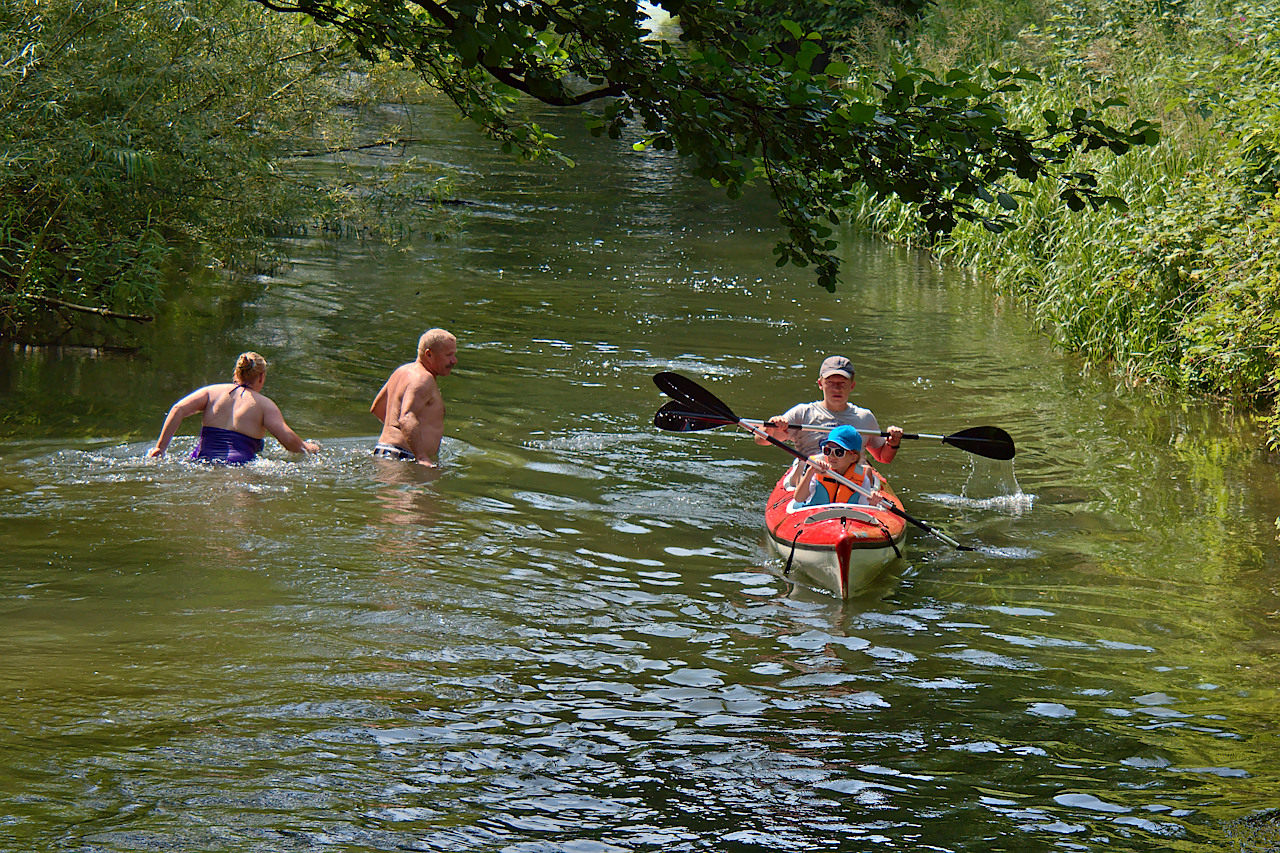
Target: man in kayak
(410, 406)
(842, 455)
(237, 417)
(835, 380)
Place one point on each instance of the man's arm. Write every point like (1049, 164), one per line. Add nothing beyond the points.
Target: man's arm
(887, 449)
(416, 431)
(778, 427)
(379, 407)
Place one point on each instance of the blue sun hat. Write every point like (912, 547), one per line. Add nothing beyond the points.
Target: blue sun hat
(847, 437)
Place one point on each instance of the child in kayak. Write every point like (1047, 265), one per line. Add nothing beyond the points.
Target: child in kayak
(841, 454)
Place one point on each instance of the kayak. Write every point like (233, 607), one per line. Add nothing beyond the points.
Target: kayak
(839, 547)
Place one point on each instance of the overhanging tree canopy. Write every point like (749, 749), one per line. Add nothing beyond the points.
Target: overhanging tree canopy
(747, 98)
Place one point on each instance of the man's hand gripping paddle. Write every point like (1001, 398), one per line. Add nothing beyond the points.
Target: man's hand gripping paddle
(991, 442)
(697, 405)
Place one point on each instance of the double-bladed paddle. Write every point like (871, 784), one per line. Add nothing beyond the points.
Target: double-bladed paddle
(991, 442)
(701, 404)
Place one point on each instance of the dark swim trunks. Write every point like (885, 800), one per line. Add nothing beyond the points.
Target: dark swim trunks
(226, 445)
(393, 451)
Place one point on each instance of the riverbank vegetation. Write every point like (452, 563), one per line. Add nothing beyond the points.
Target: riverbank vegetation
(137, 132)
(132, 126)
(747, 96)
(133, 129)
(1183, 288)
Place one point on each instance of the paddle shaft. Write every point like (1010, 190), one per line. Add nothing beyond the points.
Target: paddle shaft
(830, 427)
(991, 442)
(859, 489)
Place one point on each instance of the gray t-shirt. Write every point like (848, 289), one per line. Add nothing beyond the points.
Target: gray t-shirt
(806, 441)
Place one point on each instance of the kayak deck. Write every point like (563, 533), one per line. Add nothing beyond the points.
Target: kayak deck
(838, 547)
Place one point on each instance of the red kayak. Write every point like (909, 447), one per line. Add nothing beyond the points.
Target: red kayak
(839, 547)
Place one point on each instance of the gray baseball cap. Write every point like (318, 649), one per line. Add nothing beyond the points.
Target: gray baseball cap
(835, 364)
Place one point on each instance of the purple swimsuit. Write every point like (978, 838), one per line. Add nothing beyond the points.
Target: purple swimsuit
(226, 445)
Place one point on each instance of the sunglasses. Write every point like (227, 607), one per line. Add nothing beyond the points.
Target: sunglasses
(835, 450)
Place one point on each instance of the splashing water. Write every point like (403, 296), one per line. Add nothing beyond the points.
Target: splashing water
(992, 485)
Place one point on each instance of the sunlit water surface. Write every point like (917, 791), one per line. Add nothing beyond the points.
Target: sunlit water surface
(571, 637)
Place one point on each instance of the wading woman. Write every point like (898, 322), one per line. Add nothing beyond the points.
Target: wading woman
(237, 417)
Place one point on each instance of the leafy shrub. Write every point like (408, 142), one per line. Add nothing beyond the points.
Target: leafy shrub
(1184, 287)
(133, 128)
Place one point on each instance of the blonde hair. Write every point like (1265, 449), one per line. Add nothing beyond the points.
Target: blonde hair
(249, 366)
(433, 339)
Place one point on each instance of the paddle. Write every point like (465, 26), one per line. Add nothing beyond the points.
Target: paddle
(991, 442)
(700, 403)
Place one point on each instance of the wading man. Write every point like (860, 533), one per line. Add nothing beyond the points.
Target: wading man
(410, 406)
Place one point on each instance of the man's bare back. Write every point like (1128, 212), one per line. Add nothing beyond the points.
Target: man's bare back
(410, 405)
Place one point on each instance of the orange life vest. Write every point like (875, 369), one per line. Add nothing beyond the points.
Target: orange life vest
(839, 493)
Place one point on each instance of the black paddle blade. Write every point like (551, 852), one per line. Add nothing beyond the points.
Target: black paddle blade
(991, 442)
(675, 417)
(695, 398)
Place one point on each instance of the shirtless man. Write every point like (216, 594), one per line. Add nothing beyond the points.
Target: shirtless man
(410, 406)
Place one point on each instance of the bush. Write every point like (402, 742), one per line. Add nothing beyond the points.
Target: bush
(1182, 288)
(134, 128)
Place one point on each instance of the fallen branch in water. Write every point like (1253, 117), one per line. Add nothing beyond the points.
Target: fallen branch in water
(101, 312)
(382, 143)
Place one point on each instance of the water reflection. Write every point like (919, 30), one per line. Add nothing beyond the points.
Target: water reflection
(406, 496)
(574, 637)
(571, 637)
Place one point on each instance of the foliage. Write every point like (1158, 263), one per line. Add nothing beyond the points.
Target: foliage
(744, 103)
(847, 27)
(134, 126)
(131, 127)
(1182, 289)
(1231, 341)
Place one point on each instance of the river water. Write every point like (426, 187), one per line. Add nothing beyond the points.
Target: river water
(571, 638)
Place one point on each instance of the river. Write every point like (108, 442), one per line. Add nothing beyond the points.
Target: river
(571, 637)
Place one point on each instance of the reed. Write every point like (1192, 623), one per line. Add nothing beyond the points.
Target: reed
(1183, 288)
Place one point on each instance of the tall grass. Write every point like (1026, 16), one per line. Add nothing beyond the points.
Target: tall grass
(1184, 288)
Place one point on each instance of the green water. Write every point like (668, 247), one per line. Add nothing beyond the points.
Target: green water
(571, 638)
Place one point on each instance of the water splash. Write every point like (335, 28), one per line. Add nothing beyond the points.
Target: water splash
(1014, 504)
(992, 485)
(998, 480)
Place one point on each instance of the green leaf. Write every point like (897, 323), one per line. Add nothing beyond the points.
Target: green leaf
(859, 113)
